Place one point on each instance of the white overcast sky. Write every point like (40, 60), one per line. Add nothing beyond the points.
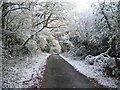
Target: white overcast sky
(80, 4)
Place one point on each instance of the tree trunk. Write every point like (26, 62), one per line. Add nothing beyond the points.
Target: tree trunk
(119, 14)
(4, 37)
(3, 16)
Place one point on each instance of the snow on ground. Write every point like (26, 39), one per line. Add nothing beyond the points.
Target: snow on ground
(23, 71)
(94, 71)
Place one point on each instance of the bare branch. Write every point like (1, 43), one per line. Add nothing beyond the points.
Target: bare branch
(105, 16)
(39, 23)
(16, 9)
(38, 30)
(10, 4)
(55, 26)
(45, 21)
(32, 36)
(48, 19)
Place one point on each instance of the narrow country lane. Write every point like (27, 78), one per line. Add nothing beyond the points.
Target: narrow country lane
(59, 74)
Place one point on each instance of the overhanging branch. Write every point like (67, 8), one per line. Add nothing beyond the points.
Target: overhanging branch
(45, 25)
(55, 26)
(16, 9)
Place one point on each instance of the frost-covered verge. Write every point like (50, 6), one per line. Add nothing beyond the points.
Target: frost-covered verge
(23, 72)
(93, 67)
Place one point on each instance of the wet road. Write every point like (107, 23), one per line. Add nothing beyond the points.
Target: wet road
(59, 74)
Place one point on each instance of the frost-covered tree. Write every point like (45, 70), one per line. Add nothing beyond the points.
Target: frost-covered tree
(34, 21)
(107, 23)
(10, 24)
(48, 17)
(83, 34)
